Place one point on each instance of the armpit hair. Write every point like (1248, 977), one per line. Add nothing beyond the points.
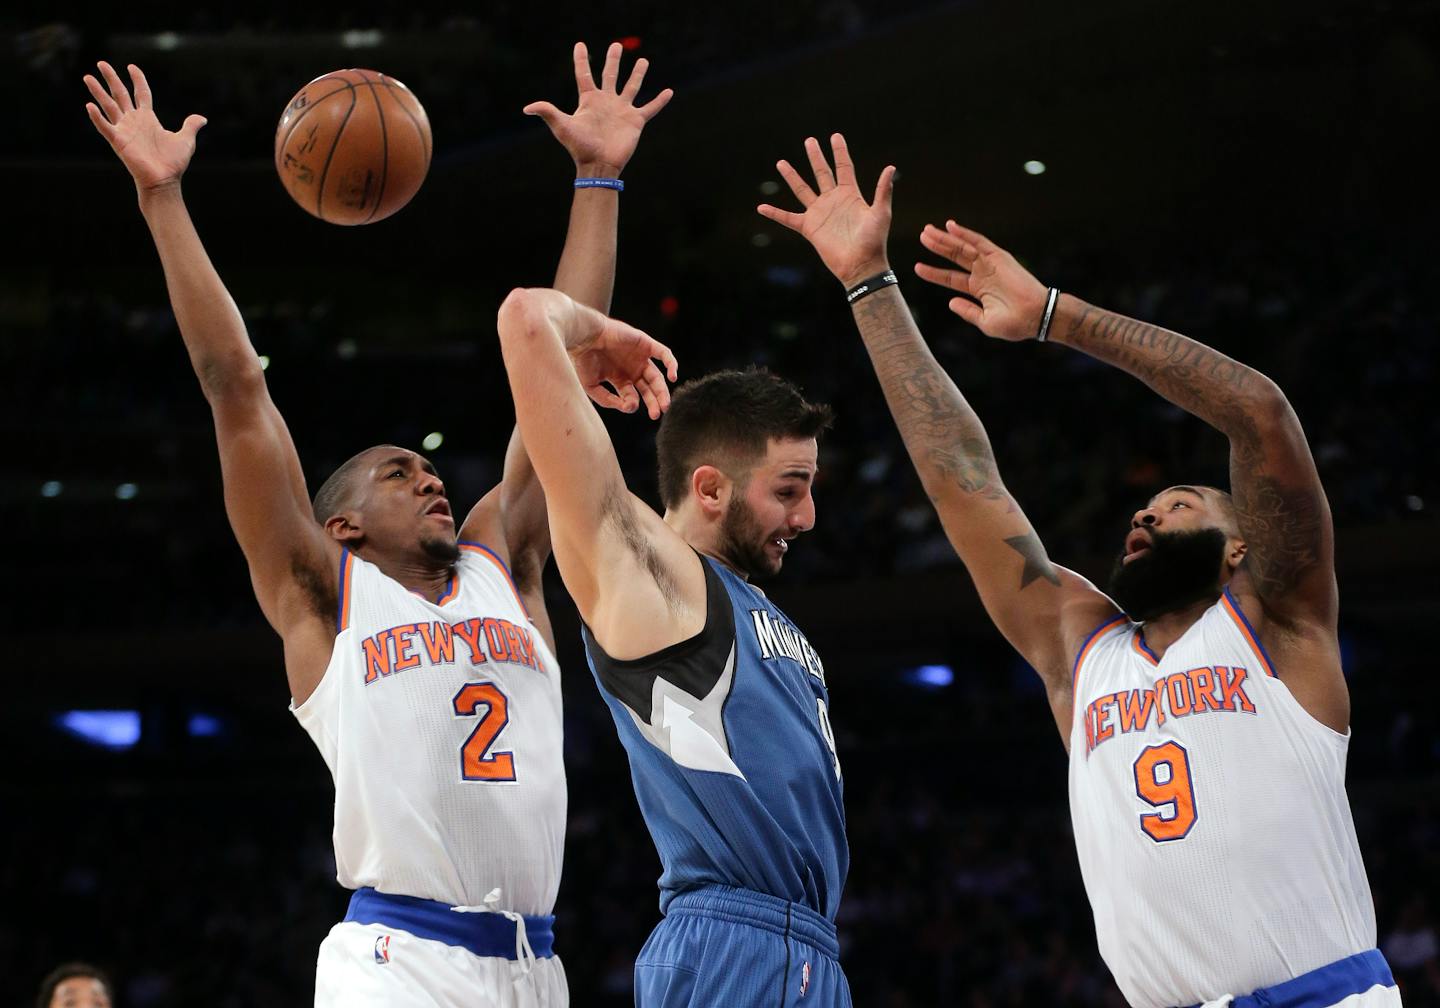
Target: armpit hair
(322, 596)
(619, 512)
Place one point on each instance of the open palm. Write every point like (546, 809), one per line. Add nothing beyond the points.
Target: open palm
(153, 155)
(1001, 298)
(602, 133)
(849, 233)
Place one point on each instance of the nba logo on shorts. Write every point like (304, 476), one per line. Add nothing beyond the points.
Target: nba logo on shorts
(382, 949)
(804, 977)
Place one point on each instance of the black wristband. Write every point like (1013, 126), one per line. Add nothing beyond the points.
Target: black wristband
(1043, 333)
(870, 285)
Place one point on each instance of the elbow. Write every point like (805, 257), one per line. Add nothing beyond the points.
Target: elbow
(231, 377)
(513, 323)
(1267, 407)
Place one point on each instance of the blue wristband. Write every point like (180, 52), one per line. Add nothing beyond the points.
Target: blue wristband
(600, 183)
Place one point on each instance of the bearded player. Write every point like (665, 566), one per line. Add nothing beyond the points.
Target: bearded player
(1204, 708)
(720, 702)
(423, 672)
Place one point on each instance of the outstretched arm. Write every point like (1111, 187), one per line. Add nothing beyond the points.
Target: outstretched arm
(637, 585)
(1041, 608)
(293, 565)
(1287, 581)
(600, 137)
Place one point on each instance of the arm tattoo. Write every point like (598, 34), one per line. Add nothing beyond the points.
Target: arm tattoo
(944, 436)
(1279, 502)
(1194, 377)
(942, 433)
(1037, 564)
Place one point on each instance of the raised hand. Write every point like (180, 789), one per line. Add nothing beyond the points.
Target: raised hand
(1011, 300)
(848, 233)
(606, 351)
(602, 132)
(154, 156)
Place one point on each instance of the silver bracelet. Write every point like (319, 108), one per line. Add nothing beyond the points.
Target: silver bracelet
(1044, 332)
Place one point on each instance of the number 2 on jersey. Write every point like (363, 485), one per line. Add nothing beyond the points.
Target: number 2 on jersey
(485, 701)
(1162, 779)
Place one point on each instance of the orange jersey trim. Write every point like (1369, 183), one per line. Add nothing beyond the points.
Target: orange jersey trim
(1247, 631)
(490, 555)
(1090, 641)
(342, 617)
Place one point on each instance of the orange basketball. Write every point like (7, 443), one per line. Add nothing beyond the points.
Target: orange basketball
(353, 146)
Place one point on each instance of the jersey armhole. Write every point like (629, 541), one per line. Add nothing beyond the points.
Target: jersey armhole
(485, 551)
(342, 608)
(1242, 623)
(1085, 647)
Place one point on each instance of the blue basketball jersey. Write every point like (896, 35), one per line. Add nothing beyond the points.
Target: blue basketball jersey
(731, 752)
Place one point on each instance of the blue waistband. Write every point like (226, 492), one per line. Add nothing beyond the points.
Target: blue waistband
(489, 935)
(745, 906)
(1323, 987)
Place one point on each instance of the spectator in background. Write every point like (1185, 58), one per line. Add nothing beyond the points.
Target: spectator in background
(1413, 951)
(75, 985)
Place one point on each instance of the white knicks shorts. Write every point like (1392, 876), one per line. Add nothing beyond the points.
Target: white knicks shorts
(374, 966)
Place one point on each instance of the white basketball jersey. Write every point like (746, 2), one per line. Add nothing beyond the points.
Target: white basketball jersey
(441, 725)
(1210, 816)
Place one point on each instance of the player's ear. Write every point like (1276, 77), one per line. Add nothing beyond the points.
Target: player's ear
(711, 488)
(344, 528)
(1234, 553)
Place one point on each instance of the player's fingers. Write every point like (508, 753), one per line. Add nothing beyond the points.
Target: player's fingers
(102, 99)
(604, 397)
(947, 245)
(824, 178)
(790, 220)
(142, 87)
(637, 76)
(661, 352)
(975, 238)
(117, 87)
(546, 111)
(631, 398)
(583, 80)
(844, 167)
(798, 185)
(956, 280)
(610, 73)
(650, 386)
(885, 189)
(191, 126)
(968, 310)
(101, 123)
(651, 108)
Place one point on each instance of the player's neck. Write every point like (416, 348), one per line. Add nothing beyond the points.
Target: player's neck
(1167, 628)
(702, 536)
(423, 575)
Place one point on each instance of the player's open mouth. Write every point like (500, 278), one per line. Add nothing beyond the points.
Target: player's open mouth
(1136, 543)
(440, 509)
(781, 544)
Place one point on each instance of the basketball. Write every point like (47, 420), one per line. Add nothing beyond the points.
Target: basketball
(353, 146)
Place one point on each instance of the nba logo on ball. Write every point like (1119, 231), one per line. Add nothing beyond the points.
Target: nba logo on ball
(804, 977)
(382, 949)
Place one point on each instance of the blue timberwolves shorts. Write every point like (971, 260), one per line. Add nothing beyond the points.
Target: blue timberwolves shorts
(719, 945)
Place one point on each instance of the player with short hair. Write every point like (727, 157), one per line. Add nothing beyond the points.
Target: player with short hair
(422, 670)
(75, 985)
(1204, 709)
(720, 701)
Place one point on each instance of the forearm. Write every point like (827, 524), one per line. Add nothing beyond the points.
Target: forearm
(210, 324)
(1226, 394)
(943, 435)
(587, 264)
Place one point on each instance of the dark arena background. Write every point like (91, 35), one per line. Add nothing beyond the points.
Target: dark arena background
(1254, 175)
